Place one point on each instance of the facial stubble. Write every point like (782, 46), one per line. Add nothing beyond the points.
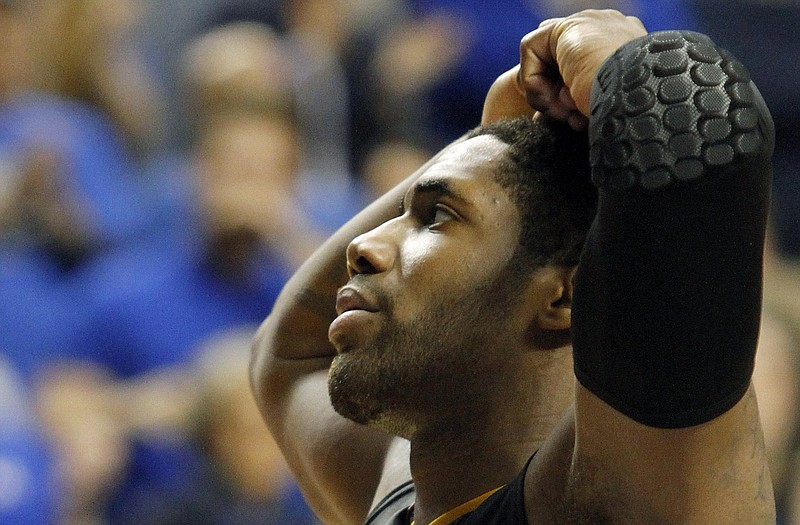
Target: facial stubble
(411, 370)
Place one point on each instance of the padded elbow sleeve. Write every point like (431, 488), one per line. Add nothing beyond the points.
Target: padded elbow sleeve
(668, 290)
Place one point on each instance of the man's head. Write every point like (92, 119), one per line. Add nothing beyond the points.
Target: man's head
(448, 298)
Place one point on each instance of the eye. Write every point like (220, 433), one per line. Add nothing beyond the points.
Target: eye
(439, 215)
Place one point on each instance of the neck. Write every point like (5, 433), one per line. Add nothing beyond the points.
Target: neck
(457, 460)
(444, 482)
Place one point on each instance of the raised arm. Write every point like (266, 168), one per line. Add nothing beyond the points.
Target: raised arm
(667, 293)
(340, 466)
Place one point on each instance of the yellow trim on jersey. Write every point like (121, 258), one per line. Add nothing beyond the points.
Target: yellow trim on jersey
(462, 509)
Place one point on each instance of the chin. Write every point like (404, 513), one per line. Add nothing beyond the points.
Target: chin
(343, 393)
(357, 394)
(396, 425)
(373, 417)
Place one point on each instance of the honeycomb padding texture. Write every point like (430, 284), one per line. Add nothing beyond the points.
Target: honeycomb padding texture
(668, 109)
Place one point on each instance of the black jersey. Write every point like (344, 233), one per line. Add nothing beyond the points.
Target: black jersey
(505, 507)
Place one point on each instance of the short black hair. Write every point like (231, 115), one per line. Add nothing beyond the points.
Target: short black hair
(546, 170)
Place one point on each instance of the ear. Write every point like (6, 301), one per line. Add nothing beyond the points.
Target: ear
(553, 296)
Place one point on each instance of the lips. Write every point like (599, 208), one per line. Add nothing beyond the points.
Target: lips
(348, 299)
(355, 315)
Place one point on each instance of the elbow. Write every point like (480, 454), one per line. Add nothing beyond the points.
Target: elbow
(290, 344)
(261, 365)
(270, 374)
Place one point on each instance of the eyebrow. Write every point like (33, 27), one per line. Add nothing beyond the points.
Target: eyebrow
(437, 187)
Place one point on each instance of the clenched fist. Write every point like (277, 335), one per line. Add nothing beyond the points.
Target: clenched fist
(558, 63)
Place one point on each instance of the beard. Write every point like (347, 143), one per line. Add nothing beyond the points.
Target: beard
(426, 366)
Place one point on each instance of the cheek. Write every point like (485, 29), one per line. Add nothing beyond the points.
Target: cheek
(419, 256)
(434, 274)
(431, 263)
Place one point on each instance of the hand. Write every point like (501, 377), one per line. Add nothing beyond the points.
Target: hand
(559, 60)
(558, 63)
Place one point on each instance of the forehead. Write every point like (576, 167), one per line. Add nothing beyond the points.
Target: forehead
(465, 168)
(465, 173)
(472, 159)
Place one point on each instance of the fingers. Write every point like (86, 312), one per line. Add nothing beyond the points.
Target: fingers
(574, 118)
(558, 62)
(539, 78)
(538, 46)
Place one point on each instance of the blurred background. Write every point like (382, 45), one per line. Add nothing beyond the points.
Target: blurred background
(166, 164)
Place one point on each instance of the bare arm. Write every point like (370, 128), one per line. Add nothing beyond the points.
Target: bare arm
(656, 315)
(340, 466)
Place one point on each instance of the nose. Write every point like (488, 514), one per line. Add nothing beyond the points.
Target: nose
(371, 253)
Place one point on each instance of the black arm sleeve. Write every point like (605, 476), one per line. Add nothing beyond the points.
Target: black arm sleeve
(668, 290)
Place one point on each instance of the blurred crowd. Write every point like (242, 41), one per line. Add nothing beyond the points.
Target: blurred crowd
(165, 166)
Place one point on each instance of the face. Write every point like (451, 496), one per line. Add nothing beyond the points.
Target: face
(431, 296)
(244, 161)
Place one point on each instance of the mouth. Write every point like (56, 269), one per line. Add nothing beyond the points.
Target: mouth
(355, 319)
(349, 299)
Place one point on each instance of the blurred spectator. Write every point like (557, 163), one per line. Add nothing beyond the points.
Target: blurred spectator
(42, 315)
(319, 31)
(86, 50)
(241, 477)
(391, 75)
(65, 180)
(240, 80)
(155, 302)
(331, 41)
(69, 187)
(242, 75)
(79, 107)
(168, 27)
(249, 481)
(29, 488)
(81, 413)
(241, 65)
(68, 190)
(331, 44)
